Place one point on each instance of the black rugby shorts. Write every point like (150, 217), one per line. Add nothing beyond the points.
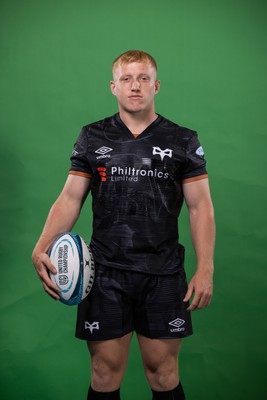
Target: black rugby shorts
(124, 301)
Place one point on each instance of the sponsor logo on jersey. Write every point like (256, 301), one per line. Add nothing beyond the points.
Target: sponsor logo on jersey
(177, 324)
(200, 151)
(162, 153)
(91, 327)
(103, 174)
(131, 174)
(103, 151)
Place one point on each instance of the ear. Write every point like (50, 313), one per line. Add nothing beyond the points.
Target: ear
(113, 87)
(157, 86)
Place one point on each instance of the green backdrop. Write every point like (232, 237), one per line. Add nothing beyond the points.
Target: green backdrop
(55, 72)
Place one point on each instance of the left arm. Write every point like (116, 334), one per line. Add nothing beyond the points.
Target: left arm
(202, 225)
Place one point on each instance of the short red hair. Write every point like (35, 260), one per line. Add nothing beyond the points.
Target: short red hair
(131, 56)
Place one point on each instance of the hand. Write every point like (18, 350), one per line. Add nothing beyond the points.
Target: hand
(42, 265)
(201, 285)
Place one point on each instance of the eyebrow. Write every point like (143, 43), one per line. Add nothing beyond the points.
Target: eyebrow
(129, 75)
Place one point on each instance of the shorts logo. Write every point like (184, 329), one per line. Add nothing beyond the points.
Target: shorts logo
(177, 323)
(91, 327)
(162, 153)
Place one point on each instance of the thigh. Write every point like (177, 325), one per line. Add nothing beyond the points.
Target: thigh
(160, 361)
(108, 362)
(112, 353)
(159, 352)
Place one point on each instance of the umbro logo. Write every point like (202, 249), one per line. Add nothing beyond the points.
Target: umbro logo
(200, 151)
(103, 150)
(177, 324)
(162, 153)
(91, 327)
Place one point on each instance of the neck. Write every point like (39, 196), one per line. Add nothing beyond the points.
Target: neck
(137, 122)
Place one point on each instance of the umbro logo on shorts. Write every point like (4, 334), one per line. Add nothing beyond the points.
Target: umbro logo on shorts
(162, 153)
(91, 327)
(178, 325)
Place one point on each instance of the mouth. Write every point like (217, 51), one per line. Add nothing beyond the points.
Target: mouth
(135, 97)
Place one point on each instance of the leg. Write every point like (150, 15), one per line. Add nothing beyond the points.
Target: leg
(161, 321)
(160, 360)
(108, 362)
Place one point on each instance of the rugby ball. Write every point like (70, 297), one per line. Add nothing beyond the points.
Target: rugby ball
(75, 267)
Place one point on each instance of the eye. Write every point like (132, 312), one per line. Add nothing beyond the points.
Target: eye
(145, 78)
(124, 78)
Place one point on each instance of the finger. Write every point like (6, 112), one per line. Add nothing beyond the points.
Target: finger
(51, 285)
(51, 293)
(45, 278)
(194, 305)
(48, 264)
(46, 267)
(188, 293)
(204, 300)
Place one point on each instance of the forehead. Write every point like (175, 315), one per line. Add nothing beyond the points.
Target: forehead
(134, 68)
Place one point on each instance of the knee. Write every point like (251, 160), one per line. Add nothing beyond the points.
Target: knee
(105, 376)
(162, 378)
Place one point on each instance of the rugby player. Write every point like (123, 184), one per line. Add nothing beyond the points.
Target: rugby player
(139, 167)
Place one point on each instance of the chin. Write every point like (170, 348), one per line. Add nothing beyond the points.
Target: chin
(132, 110)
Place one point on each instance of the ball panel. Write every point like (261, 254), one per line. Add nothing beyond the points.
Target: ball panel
(75, 267)
(65, 256)
(89, 270)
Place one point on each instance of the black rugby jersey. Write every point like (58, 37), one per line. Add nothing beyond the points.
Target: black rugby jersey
(137, 191)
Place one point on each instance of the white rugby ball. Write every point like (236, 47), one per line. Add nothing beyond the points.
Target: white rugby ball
(75, 267)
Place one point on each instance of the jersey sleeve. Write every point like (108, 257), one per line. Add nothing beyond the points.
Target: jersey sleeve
(195, 164)
(79, 159)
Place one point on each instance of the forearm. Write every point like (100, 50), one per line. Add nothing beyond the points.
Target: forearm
(64, 213)
(202, 227)
(61, 218)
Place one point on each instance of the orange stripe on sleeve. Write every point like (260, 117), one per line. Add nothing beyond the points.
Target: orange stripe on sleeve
(195, 178)
(83, 174)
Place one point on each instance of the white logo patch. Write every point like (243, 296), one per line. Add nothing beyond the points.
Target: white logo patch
(103, 150)
(200, 151)
(91, 327)
(178, 325)
(162, 153)
(177, 322)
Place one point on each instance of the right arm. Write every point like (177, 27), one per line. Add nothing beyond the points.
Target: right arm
(61, 218)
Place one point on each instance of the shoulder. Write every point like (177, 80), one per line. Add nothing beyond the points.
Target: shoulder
(180, 132)
(101, 124)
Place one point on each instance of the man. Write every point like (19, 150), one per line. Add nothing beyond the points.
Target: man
(139, 167)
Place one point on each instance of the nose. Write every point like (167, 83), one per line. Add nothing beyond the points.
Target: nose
(135, 85)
